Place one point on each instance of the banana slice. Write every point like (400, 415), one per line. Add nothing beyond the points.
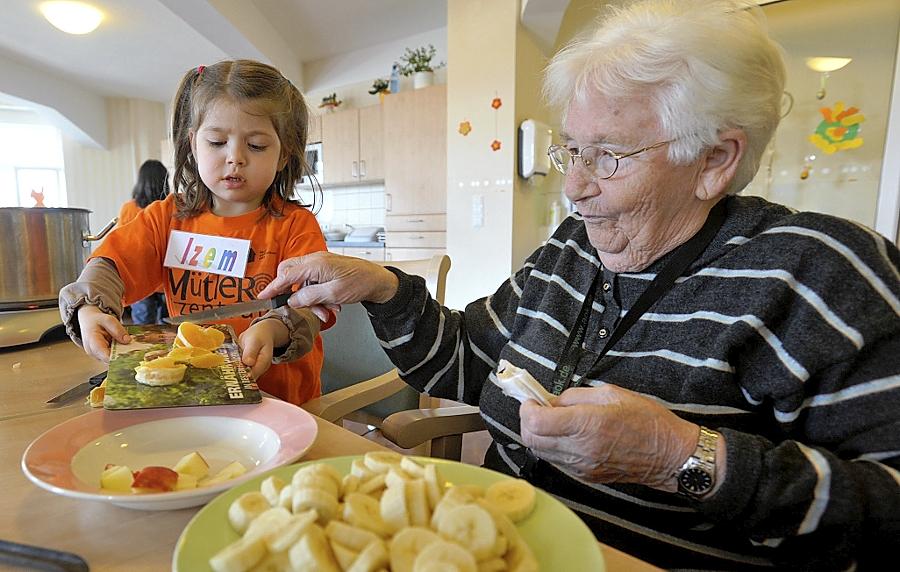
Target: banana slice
(417, 502)
(393, 507)
(239, 556)
(312, 552)
(268, 524)
(349, 484)
(514, 497)
(470, 526)
(271, 488)
(407, 544)
(286, 497)
(324, 503)
(443, 555)
(373, 484)
(517, 383)
(344, 556)
(353, 537)
(492, 565)
(434, 486)
(520, 558)
(322, 470)
(308, 480)
(373, 558)
(396, 475)
(365, 512)
(454, 497)
(413, 468)
(358, 468)
(381, 461)
(245, 508)
(291, 531)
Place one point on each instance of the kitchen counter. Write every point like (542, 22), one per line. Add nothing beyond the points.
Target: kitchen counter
(345, 244)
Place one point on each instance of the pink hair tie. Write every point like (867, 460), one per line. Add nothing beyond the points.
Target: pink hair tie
(200, 70)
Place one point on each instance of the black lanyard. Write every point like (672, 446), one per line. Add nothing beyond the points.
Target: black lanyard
(683, 256)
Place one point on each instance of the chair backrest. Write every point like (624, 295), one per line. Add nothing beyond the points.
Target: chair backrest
(353, 353)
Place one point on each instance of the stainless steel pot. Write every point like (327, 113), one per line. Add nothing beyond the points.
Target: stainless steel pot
(42, 250)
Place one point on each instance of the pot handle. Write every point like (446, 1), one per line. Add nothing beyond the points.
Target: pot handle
(86, 237)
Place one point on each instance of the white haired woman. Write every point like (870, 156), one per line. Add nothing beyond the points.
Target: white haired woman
(727, 371)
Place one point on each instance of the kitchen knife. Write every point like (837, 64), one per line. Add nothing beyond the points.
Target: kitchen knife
(79, 390)
(231, 310)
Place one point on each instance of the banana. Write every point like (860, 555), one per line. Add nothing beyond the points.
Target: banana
(312, 553)
(291, 531)
(407, 544)
(286, 497)
(325, 504)
(245, 508)
(517, 383)
(373, 558)
(519, 557)
(238, 556)
(268, 524)
(381, 461)
(358, 467)
(444, 555)
(349, 484)
(417, 502)
(322, 470)
(373, 484)
(364, 512)
(492, 565)
(434, 486)
(271, 488)
(514, 497)
(454, 497)
(277, 562)
(396, 475)
(413, 468)
(344, 556)
(393, 507)
(475, 491)
(353, 537)
(309, 480)
(470, 526)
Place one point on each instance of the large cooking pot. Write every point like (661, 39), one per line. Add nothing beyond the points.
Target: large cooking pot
(42, 250)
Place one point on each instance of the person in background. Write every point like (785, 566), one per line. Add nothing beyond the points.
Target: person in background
(726, 371)
(152, 185)
(239, 129)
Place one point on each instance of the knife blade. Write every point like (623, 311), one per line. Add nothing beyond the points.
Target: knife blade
(79, 390)
(231, 310)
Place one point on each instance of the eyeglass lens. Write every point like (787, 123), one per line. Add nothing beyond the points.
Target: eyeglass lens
(598, 162)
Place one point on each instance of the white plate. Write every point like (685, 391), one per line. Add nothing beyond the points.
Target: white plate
(68, 459)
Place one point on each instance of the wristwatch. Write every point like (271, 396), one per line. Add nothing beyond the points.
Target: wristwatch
(697, 475)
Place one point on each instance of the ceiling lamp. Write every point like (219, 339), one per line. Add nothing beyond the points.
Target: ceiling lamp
(72, 17)
(822, 64)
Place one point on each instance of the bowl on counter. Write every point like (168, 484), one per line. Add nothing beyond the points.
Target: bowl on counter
(335, 234)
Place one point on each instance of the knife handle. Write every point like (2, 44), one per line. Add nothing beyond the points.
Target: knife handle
(280, 300)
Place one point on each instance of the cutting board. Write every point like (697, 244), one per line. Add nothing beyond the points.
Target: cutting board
(227, 384)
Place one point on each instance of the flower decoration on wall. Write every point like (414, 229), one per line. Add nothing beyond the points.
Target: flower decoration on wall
(465, 127)
(495, 145)
(839, 129)
(495, 105)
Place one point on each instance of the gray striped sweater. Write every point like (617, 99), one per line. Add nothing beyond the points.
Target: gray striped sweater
(784, 335)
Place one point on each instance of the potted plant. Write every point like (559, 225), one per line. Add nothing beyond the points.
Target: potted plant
(330, 102)
(417, 63)
(380, 87)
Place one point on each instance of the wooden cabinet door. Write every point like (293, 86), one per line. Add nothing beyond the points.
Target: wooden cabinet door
(314, 132)
(371, 144)
(415, 151)
(340, 147)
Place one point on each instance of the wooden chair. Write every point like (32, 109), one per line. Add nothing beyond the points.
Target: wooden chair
(360, 383)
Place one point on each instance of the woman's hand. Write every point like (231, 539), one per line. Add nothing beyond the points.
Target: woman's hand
(610, 435)
(327, 280)
(97, 329)
(258, 343)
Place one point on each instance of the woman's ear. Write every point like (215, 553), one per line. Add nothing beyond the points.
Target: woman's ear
(721, 164)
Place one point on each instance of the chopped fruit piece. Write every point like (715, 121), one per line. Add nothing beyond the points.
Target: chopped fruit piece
(192, 335)
(180, 354)
(208, 360)
(186, 482)
(231, 471)
(116, 478)
(159, 376)
(160, 363)
(154, 480)
(193, 464)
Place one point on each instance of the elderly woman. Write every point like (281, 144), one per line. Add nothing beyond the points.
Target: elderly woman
(727, 370)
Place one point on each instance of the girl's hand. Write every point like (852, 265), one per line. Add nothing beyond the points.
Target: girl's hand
(258, 343)
(97, 329)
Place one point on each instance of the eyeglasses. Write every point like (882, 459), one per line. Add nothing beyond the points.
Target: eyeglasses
(601, 163)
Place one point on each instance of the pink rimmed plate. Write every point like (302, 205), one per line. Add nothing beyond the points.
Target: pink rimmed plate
(68, 459)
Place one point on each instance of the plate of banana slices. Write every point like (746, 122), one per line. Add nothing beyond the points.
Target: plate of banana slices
(385, 511)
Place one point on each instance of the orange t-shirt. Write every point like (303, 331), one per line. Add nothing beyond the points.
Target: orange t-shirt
(128, 211)
(138, 252)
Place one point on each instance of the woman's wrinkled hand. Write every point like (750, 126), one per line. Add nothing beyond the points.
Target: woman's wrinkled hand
(258, 343)
(98, 329)
(327, 280)
(608, 434)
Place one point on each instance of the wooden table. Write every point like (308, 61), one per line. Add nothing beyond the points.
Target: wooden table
(106, 536)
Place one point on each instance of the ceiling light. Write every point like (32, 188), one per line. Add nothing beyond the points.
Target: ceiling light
(822, 64)
(72, 17)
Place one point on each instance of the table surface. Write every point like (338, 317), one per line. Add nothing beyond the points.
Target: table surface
(106, 536)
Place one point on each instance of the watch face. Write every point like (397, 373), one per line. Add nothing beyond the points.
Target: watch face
(694, 480)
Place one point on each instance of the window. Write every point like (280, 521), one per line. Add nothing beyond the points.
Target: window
(31, 160)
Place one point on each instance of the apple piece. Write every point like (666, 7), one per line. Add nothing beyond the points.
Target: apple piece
(154, 480)
(186, 481)
(193, 464)
(116, 478)
(231, 471)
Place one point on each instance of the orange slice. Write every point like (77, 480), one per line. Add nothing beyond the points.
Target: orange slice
(181, 353)
(192, 335)
(208, 360)
(160, 363)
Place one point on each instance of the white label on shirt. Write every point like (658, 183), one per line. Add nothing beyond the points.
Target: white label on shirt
(207, 253)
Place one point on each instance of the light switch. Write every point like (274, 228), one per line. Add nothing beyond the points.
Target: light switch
(477, 211)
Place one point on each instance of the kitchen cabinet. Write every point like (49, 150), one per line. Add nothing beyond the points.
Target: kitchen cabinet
(391, 253)
(352, 146)
(366, 253)
(415, 153)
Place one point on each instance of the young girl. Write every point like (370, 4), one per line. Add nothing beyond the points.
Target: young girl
(239, 130)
